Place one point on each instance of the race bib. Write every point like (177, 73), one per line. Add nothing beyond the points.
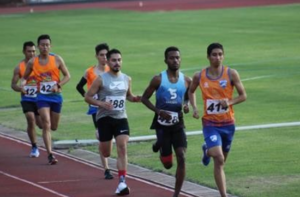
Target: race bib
(96, 98)
(118, 102)
(46, 87)
(30, 91)
(174, 119)
(215, 107)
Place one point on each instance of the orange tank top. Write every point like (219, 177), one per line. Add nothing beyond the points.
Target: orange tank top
(91, 74)
(31, 79)
(47, 75)
(212, 91)
(31, 84)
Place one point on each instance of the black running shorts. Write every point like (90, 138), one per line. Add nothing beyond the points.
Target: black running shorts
(109, 127)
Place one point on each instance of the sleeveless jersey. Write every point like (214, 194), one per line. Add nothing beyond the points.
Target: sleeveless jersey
(47, 76)
(92, 73)
(212, 91)
(30, 86)
(114, 90)
(170, 97)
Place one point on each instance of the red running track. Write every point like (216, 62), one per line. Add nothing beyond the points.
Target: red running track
(22, 176)
(149, 5)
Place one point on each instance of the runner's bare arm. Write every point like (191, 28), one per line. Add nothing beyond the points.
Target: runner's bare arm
(94, 89)
(64, 70)
(152, 87)
(192, 95)
(15, 79)
(188, 81)
(242, 96)
(130, 96)
(28, 69)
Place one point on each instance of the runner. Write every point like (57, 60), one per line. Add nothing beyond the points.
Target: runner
(28, 96)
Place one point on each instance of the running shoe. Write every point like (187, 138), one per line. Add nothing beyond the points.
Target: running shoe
(34, 152)
(52, 160)
(122, 189)
(108, 175)
(205, 158)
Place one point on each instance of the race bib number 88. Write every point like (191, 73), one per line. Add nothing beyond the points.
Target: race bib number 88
(215, 107)
(118, 102)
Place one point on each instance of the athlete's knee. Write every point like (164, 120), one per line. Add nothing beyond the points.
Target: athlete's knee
(167, 161)
(181, 160)
(122, 149)
(53, 128)
(219, 160)
(105, 153)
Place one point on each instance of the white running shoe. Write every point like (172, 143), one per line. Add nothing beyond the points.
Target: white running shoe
(122, 189)
(34, 152)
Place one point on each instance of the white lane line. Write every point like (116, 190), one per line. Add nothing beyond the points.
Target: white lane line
(263, 126)
(258, 77)
(31, 183)
(64, 181)
(97, 167)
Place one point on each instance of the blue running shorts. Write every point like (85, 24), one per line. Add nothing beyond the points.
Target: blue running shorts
(219, 136)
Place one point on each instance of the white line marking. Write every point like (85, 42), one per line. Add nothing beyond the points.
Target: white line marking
(258, 77)
(31, 183)
(263, 126)
(64, 181)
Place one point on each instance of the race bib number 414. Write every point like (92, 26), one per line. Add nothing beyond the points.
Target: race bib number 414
(215, 107)
(118, 102)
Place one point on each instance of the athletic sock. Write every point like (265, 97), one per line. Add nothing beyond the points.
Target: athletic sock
(122, 174)
(33, 145)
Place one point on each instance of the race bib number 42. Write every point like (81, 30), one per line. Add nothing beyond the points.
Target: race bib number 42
(46, 87)
(118, 102)
(170, 122)
(30, 91)
(215, 107)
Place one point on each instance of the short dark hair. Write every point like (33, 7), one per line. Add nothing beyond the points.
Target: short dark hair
(27, 44)
(43, 37)
(101, 47)
(213, 46)
(113, 51)
(171, 48)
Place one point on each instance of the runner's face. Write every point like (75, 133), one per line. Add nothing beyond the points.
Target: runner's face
(216, 57)
(173, 60)
(115, 62)
(29, 52)
(44, 46)
(101, 57)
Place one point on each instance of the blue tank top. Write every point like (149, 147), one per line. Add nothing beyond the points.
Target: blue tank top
(170, 96)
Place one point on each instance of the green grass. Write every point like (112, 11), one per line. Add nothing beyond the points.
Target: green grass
(261, 43)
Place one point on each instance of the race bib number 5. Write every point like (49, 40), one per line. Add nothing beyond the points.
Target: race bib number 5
(46, 87)
(215, 107)
(118, 102)
(30, 91)
(170, 122)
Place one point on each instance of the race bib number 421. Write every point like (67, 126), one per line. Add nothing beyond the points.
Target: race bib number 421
(215, 107)
(118, 102)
